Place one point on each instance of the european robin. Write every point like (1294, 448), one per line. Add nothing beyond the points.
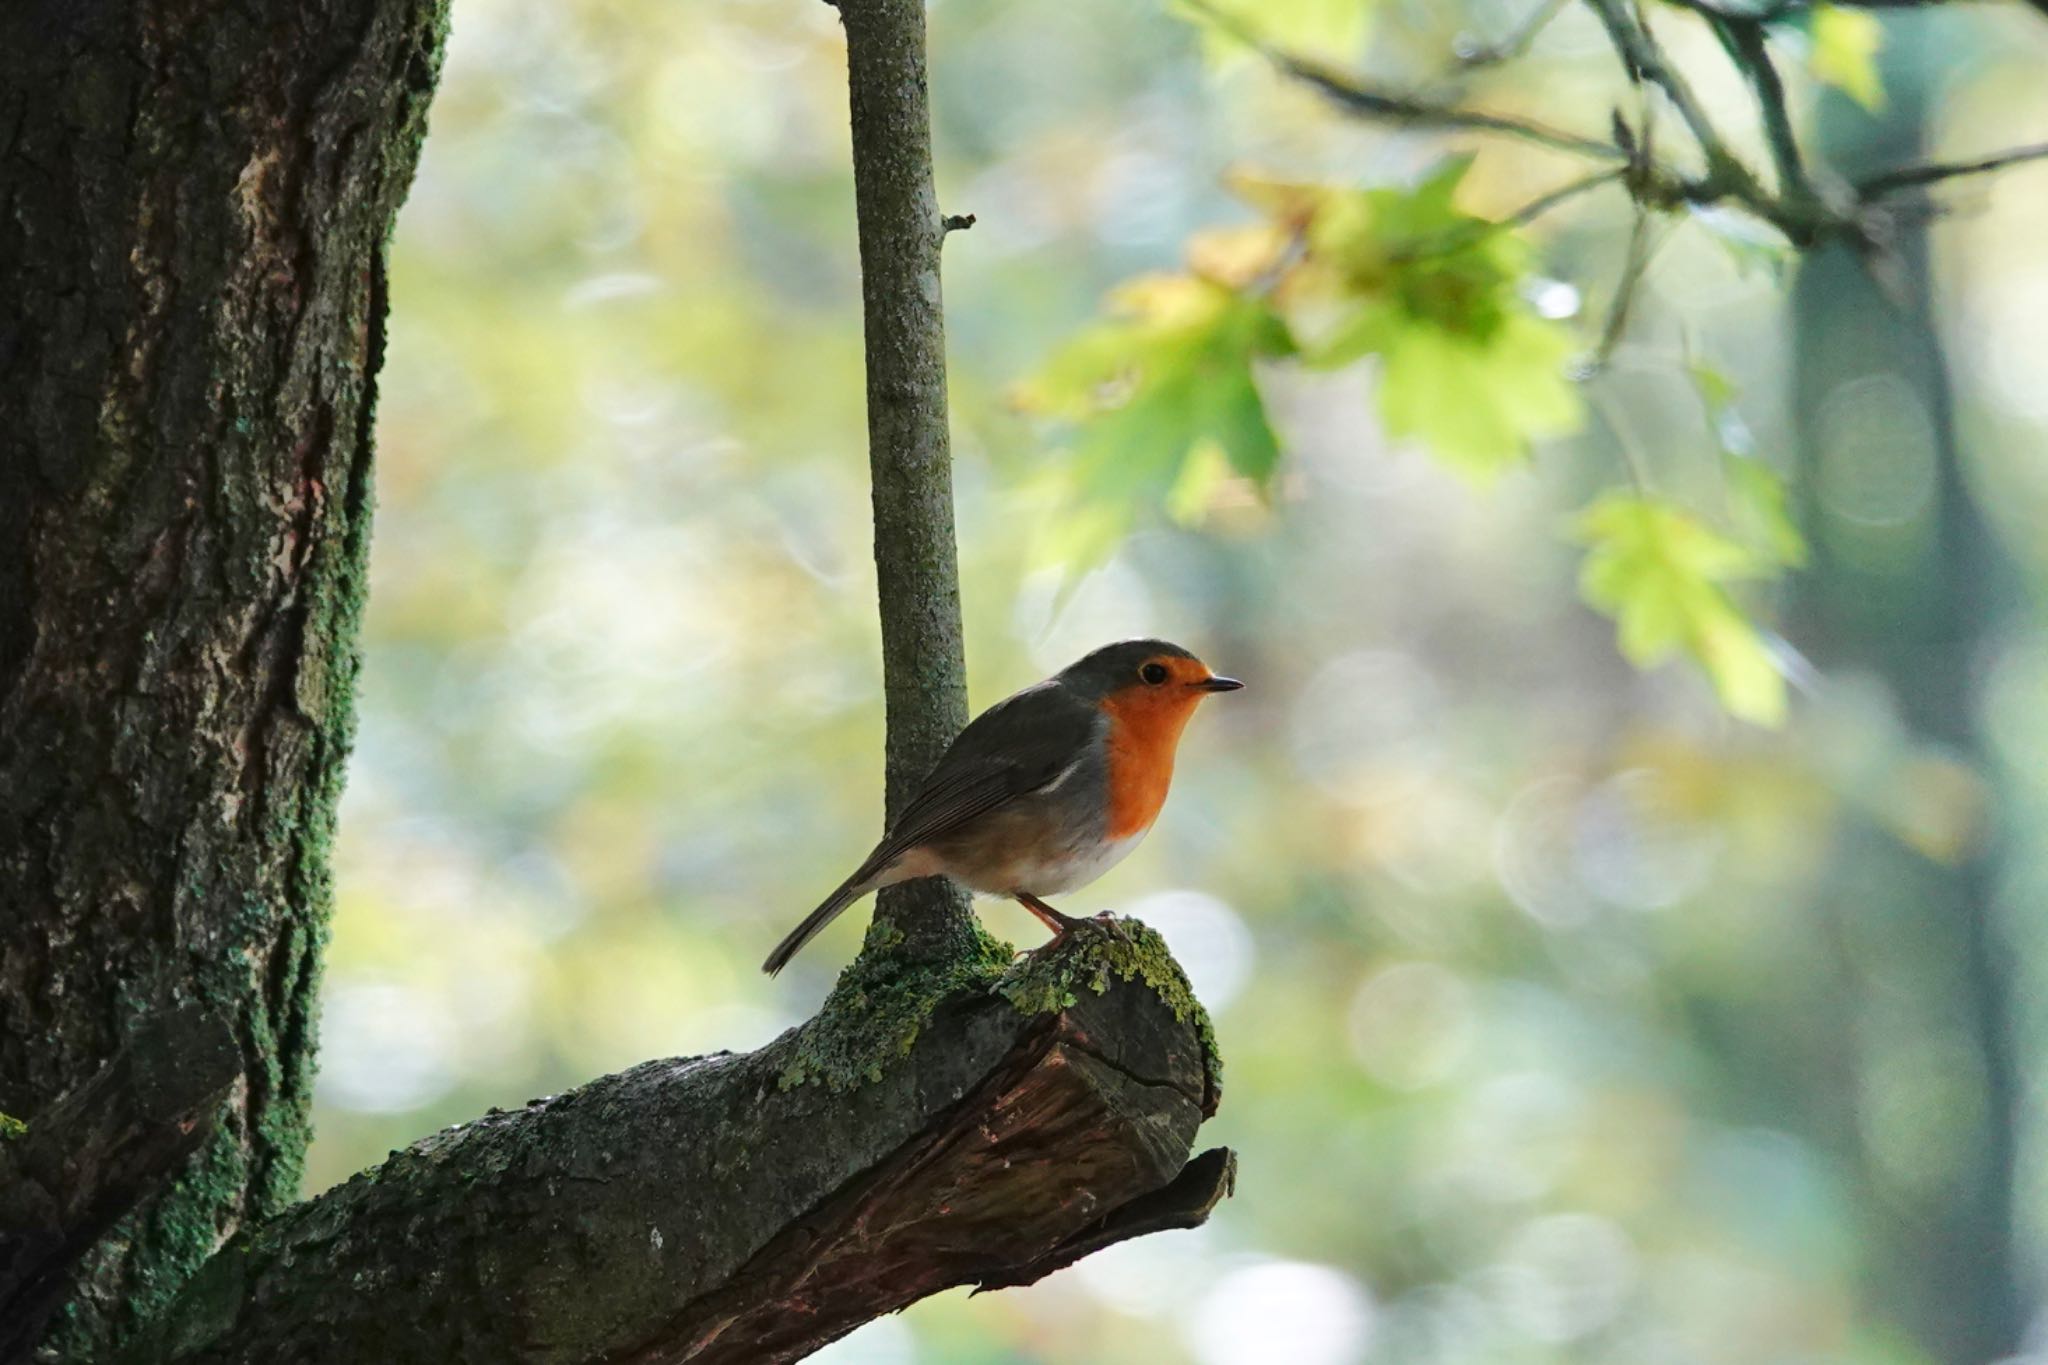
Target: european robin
(1046, 790)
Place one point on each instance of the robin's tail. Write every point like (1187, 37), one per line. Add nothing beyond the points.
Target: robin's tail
(850, 890)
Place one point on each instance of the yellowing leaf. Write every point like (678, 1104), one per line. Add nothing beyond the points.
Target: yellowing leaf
(1845, 47)
(1663, 576)
(1165, 381)
(1467, 366)
(1237, 256)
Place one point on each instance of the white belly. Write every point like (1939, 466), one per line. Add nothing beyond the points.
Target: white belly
(1076, 869)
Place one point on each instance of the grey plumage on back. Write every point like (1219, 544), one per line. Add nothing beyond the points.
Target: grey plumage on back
(1016, 747)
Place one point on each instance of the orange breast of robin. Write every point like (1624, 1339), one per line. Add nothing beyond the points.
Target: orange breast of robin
(1144, 731)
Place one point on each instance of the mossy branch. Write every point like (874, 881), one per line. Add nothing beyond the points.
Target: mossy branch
(932, 1127)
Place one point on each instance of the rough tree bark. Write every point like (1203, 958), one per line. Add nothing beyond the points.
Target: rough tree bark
(196, 199)
(924, 673)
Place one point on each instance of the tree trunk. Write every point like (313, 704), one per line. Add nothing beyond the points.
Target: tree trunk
(193, 211)
(1914, 602)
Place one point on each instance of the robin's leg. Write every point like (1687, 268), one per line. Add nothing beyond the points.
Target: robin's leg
(1063, 924)
(1049, 917)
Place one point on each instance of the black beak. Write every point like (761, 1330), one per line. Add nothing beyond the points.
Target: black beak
(1216, 684)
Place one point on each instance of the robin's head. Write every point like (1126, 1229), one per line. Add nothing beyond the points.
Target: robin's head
(1149, 675)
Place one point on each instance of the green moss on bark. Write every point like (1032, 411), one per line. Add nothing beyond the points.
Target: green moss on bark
(184, 1229)
(885, 997)
(880, 1005)
(1051, 980)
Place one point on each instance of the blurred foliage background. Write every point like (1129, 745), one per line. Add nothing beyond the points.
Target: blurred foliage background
(1567, 1017)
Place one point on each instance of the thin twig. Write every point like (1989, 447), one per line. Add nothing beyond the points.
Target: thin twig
(1927, 173)
(1772, 13)
(1571, 189)
(1637, 261)
(1796, 209)
(1624, 435)
(1645, 60)
(1408, 110)
(1465, 234)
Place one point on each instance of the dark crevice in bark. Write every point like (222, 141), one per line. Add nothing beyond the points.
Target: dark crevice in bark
(90, 1157)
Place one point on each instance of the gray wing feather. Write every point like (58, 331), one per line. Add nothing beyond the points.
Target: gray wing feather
(1020, 745)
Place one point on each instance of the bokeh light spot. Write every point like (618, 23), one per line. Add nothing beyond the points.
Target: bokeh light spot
(1208, 939)
(1412, 1024)
(1275, 1311)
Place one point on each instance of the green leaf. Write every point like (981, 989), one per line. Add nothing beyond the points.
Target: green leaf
(1845, 47)
(1202, 474)
(1476, 404)
(1167, 379)
(1663, 576)
(1467, 366)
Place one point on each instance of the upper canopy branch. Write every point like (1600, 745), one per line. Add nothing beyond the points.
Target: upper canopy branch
(1796, 206)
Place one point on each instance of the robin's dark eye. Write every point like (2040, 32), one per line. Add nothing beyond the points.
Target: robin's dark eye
(1153, 673)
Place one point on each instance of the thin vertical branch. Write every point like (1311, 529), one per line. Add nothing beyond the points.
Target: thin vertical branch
(909, 454)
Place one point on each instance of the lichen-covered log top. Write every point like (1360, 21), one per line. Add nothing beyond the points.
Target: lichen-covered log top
(978, 1123)
(194, 200)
